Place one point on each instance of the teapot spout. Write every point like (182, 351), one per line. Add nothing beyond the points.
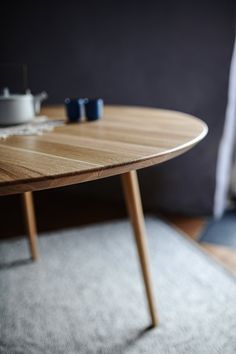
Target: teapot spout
(38, 99)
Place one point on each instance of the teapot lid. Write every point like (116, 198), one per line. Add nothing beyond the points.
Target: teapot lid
(6, 95)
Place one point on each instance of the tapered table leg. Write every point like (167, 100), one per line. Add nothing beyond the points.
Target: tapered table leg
(134, 206)
(28, 207)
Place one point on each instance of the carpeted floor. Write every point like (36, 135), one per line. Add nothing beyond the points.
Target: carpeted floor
(222, 231)
(86, 295)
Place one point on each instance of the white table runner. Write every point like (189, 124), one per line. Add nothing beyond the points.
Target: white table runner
(37, 126)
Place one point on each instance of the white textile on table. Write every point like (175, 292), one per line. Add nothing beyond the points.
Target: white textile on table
(37, 126)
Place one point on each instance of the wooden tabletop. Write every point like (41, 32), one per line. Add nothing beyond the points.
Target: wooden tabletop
(127, 138)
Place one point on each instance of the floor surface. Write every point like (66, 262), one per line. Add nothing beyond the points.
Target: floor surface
(63, 208)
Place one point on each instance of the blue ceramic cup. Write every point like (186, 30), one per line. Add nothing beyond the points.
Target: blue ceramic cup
(94, 109)
(74, 109)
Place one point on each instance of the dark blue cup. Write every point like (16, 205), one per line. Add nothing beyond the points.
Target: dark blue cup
(74, 109)
(94, 109)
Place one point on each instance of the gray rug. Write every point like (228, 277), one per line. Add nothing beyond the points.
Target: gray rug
(222, 231)
(86, 295)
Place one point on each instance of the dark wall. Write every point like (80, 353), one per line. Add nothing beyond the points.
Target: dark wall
(167, 54)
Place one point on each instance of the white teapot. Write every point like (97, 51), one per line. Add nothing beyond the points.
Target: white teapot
(19, 108)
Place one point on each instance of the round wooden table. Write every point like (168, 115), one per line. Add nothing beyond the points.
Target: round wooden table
(125, 140)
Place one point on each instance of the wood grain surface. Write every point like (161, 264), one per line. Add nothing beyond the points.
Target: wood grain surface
(127, 138)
